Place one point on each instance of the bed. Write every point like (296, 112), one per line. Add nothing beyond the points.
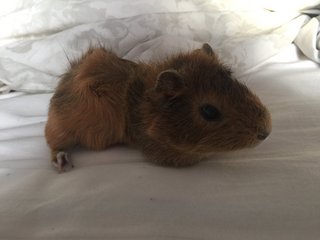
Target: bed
(269, 192)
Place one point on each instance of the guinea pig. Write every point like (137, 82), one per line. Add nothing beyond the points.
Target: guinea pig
(177, 111)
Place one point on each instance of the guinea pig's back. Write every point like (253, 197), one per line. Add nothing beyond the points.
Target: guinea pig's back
(89, 104)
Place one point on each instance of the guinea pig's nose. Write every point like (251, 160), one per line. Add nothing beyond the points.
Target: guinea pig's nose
(262, 135)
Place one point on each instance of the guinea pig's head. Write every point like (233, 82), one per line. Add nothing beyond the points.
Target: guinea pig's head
(198, 106)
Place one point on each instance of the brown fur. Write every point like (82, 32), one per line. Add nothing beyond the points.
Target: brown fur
(104, 100)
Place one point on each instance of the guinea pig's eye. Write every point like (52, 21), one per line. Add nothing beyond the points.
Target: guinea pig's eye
(210, 113)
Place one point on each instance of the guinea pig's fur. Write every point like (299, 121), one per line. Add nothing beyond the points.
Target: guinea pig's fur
(176, 112)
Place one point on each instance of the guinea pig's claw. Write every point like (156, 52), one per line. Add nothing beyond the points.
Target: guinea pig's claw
(62, 162)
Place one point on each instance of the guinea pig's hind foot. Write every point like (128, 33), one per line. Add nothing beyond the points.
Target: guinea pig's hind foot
(62, 162)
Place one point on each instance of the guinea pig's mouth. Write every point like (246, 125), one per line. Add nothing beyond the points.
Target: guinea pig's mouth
(209, 146)
(263, 134)
(228, 145)
(260, 137)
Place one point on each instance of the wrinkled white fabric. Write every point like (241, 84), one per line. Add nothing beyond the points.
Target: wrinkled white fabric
(39, 36)
(308, 39)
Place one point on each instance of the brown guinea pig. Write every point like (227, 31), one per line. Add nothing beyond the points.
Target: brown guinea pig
(176, 112)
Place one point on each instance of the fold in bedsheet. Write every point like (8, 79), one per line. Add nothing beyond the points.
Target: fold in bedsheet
(35, 47)
(308, 39)
(269, 192)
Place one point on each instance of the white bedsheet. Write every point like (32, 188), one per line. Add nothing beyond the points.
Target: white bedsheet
(270, 192)
(37, 37)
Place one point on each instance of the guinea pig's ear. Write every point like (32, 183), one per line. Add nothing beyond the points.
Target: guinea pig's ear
(169, 83)
(207, 49)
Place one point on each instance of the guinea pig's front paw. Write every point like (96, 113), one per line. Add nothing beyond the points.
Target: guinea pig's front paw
(169, 157)
(62, 162)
